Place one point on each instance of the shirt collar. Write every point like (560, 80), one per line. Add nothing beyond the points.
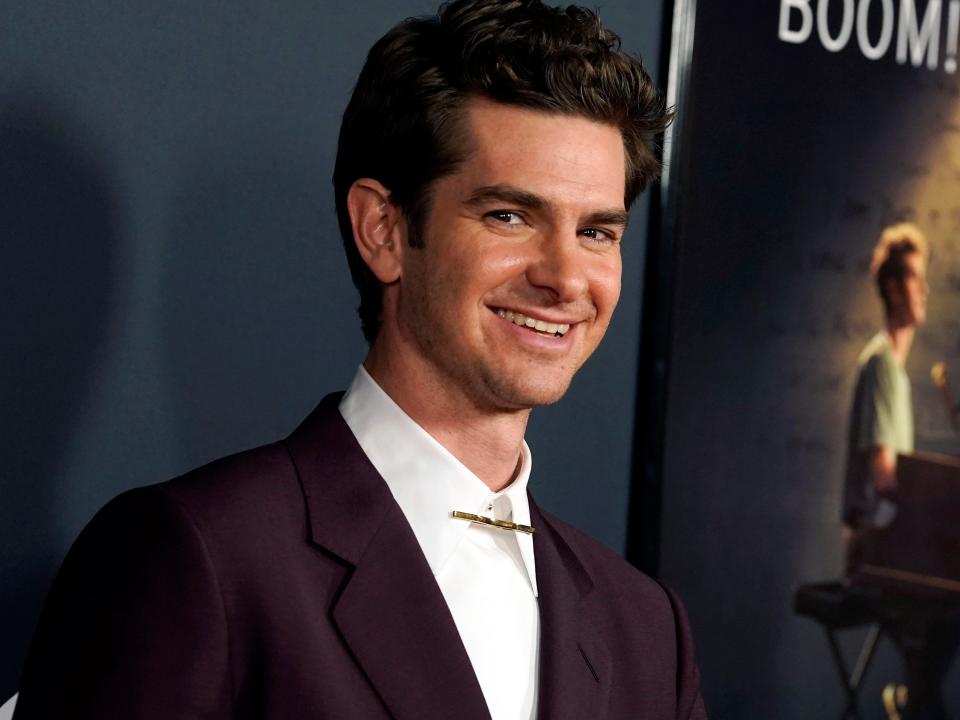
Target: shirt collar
(426, 480)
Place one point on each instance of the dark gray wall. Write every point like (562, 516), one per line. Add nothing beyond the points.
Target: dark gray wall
(173, 287)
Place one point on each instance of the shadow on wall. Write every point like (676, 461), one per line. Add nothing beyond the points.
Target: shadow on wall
(257, 321)
(57, 246)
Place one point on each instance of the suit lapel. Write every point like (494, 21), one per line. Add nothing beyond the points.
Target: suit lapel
(574, 660)
(390, 612)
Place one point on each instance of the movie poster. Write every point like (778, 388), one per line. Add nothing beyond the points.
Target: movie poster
(804, 128)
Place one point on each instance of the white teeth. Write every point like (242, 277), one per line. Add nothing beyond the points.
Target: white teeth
(534, 324)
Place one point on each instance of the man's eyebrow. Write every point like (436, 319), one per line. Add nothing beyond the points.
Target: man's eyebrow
(506, 194)
(523, 198)
(618, 218)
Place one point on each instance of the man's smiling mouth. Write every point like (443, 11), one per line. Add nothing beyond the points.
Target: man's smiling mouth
(539, 326)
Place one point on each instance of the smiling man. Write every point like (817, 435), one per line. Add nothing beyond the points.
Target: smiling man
(513, 287)
(386, 560)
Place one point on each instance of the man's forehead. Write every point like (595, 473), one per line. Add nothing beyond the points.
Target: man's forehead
(543, 151)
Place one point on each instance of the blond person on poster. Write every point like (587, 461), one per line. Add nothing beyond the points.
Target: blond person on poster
(881, 417)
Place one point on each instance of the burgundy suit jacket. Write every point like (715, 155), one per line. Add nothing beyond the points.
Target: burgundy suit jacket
(285, 582)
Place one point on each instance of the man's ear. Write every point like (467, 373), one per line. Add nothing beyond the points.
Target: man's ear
(379, 229)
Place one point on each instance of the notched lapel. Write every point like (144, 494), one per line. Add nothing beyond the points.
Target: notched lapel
(390, 613)
(396, 621)
(574, 660)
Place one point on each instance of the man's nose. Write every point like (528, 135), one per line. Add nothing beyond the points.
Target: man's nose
(560, 267)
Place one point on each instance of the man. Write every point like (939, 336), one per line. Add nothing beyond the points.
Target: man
(385, 559)
(881, 419)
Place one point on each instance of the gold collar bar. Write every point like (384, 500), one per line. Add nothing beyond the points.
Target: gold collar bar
(483, 520)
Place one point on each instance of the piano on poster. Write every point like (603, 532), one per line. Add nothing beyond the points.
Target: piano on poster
(918, 554)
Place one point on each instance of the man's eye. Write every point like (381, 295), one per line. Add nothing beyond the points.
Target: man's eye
(598, 235)
(507, 217)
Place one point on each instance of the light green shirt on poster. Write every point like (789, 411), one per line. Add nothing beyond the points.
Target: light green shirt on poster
(881, 416)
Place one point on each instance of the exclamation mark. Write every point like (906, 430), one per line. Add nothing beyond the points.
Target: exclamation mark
(953, 28)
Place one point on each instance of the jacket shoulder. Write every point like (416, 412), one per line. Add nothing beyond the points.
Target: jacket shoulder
(643, 621)
(240, 505)
(606, 568)
(247, 477)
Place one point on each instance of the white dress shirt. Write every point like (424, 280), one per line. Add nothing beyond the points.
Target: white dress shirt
(486, 574)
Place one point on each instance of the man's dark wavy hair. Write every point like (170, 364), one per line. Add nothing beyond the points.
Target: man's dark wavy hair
(404, 123)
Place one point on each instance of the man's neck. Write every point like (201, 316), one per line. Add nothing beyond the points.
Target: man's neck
(487, 443)
(901, 339)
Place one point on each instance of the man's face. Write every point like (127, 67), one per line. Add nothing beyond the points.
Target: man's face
(916, 288)
(526, 232)
(910, 296)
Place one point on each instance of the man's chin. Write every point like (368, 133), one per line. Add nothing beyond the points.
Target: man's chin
(526, 396)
